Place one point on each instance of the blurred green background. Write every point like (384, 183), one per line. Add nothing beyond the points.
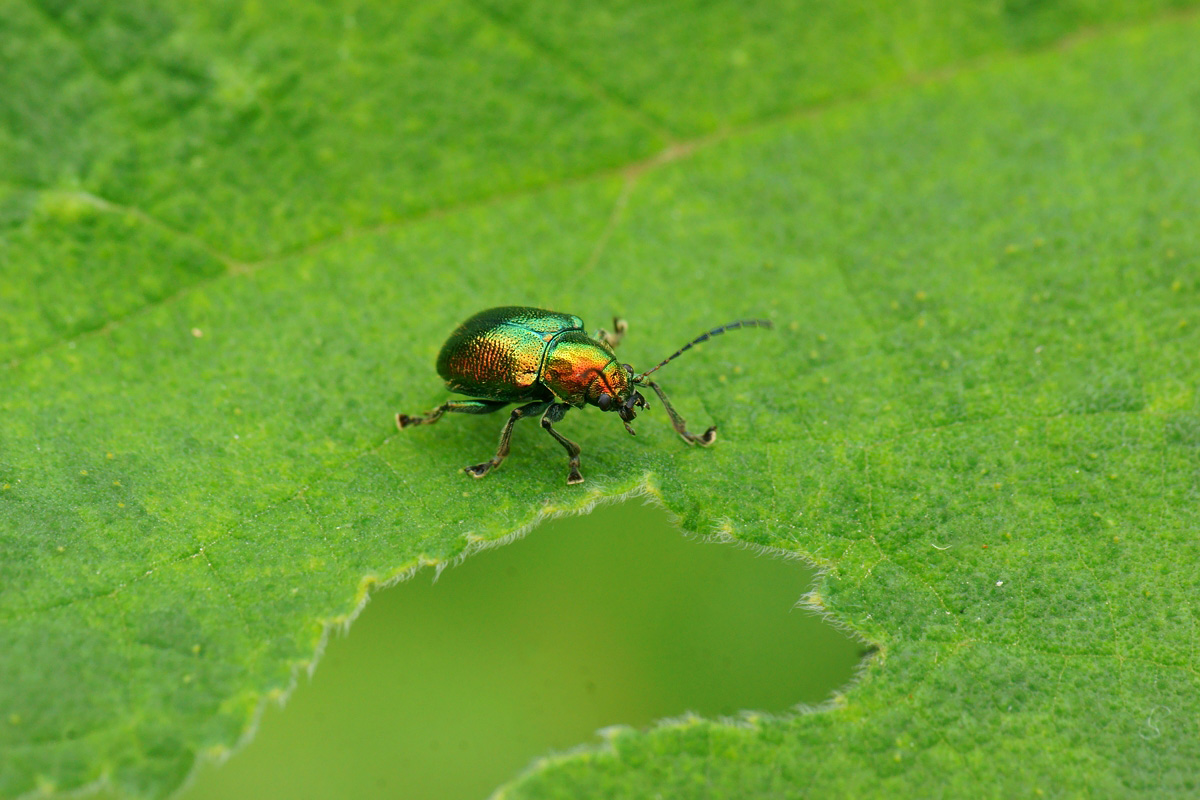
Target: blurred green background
(447, 689)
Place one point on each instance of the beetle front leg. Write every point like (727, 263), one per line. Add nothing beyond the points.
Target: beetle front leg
(527, 410)
(553, 414)
(613, 339)
(705, 439)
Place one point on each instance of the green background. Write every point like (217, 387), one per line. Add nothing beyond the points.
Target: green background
(447, 689)
(233, 237)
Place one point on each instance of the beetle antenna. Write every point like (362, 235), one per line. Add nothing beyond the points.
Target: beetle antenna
(704, 337)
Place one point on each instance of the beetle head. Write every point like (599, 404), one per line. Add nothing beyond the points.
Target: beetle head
(616, 392)
(631, 401)
(626, 409)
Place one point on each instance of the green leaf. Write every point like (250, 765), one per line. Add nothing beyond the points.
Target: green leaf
(232, 240)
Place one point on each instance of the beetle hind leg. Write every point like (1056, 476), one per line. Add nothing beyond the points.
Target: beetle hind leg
(527, 410)
(553, 414)
(454, 406)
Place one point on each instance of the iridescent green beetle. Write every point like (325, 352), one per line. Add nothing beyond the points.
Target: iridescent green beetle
(544, 360)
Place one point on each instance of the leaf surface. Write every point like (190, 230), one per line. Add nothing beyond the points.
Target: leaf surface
(232, 242)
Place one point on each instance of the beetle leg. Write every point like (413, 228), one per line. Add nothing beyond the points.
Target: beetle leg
(527, 410)
(454, 406)
(706, 438)
(613, 339)
(553, 414)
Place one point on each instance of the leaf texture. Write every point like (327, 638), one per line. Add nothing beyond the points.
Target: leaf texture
(233, 238)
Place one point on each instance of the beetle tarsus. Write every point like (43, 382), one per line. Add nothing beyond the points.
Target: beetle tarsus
(479, 470)
(620, 328)
(703, 439)
(405, 421)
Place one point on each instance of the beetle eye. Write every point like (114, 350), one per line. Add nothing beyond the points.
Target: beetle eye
(604, 401)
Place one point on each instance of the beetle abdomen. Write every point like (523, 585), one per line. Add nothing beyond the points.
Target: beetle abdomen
(497, 354)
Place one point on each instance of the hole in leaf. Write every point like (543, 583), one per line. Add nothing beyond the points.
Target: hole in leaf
(448, 690)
